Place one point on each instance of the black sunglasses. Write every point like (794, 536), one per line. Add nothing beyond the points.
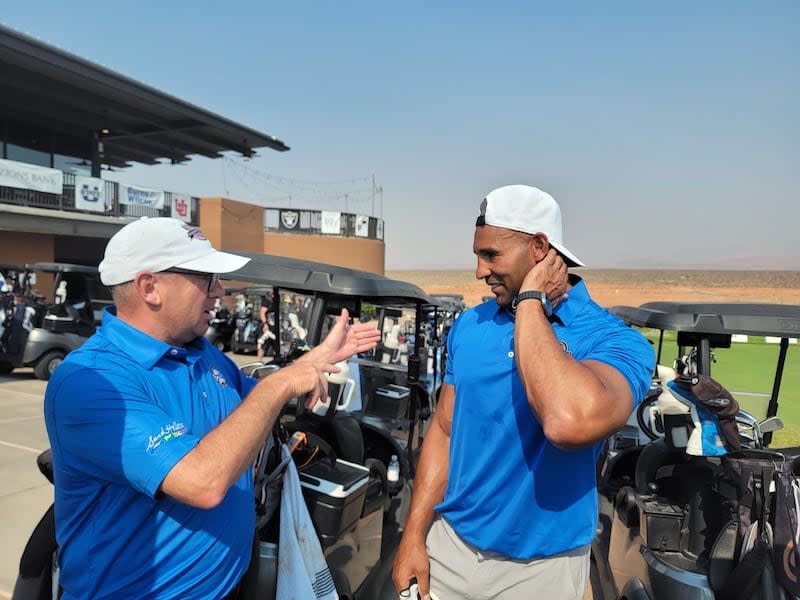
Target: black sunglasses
(213, 278)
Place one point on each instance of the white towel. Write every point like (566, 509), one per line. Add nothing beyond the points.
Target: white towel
(302, 571)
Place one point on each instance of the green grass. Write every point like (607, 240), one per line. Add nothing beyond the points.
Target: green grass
(747, 370)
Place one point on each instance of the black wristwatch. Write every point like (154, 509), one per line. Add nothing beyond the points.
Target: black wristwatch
(534, 295)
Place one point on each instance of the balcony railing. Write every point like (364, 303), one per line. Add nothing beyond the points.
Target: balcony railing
(113, 207)
(282, 220)
(316, 222)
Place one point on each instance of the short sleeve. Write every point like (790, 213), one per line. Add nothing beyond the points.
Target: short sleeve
(449, 374)
(630, 353)
(111, 427)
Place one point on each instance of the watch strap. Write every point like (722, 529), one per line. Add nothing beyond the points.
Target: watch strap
(533, 295)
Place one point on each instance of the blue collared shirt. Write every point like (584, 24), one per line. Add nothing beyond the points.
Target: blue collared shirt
(509, 490)
(121, 411)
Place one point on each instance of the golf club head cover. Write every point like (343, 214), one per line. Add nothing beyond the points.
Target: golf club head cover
(713, 396)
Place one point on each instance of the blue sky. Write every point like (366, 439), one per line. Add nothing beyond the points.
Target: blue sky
(669, 132)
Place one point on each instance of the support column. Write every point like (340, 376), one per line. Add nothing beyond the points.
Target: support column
(97, 153)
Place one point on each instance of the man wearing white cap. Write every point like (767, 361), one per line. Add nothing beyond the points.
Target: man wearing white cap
(154, 431)
(505, 504)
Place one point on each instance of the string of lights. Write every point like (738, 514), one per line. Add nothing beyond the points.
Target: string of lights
(354, 195)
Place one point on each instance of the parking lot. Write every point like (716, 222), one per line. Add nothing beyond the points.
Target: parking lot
(25, 494)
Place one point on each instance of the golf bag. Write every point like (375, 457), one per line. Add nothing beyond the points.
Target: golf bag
(755, 556)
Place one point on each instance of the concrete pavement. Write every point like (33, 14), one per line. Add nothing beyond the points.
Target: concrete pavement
(25, 494)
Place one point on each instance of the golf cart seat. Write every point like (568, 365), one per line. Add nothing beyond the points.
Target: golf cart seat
(70, 318)
(652, 458)
(327, 420)
(340, 429)
(673, 511)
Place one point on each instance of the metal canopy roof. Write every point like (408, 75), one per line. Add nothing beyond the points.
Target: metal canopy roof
(54, 267)
(53, 95)
(309, 276)
(703, 320)
(779, 320)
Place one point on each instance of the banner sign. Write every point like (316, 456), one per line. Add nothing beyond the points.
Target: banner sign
(142, 196)
(379, 229)
(362, 226)
(181, 208)
(331, 222)
(90, 193)
(290, 219)
(31, 177)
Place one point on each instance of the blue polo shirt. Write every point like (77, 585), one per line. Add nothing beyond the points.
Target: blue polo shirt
(509, 490)
(121, 411)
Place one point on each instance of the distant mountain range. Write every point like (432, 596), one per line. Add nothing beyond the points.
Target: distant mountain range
(746, 263)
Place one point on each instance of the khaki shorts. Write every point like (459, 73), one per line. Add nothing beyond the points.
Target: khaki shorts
(459, 571)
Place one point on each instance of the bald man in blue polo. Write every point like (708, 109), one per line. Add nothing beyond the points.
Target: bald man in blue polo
(154, 431)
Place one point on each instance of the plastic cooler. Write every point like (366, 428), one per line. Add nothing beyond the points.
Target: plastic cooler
(334, 494)
(390, 401)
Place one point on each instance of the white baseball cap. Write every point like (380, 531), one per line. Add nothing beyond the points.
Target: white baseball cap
(161, 243)
(529, 210)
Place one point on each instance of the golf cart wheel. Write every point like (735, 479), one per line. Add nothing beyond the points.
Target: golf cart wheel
(44, 368)
(220, 345)
(6, 368)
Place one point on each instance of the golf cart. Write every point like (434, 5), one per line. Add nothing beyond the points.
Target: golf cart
(223, 327)
(694, 505)
(375, 413)
(452, 302)
(39, 333)
(444, 310)
(12, 278)
(11, 285)
(246, 318)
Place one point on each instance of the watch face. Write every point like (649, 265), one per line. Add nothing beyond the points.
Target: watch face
(548, 308)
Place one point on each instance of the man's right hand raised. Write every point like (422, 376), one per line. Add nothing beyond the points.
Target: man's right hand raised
(303, 379)
(550, 276)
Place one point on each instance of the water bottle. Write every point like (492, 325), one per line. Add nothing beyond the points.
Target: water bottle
(393, 470)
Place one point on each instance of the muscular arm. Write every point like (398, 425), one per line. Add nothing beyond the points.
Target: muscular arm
(577, 402)
(431, 478)
(429, 485)
(203, 476)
